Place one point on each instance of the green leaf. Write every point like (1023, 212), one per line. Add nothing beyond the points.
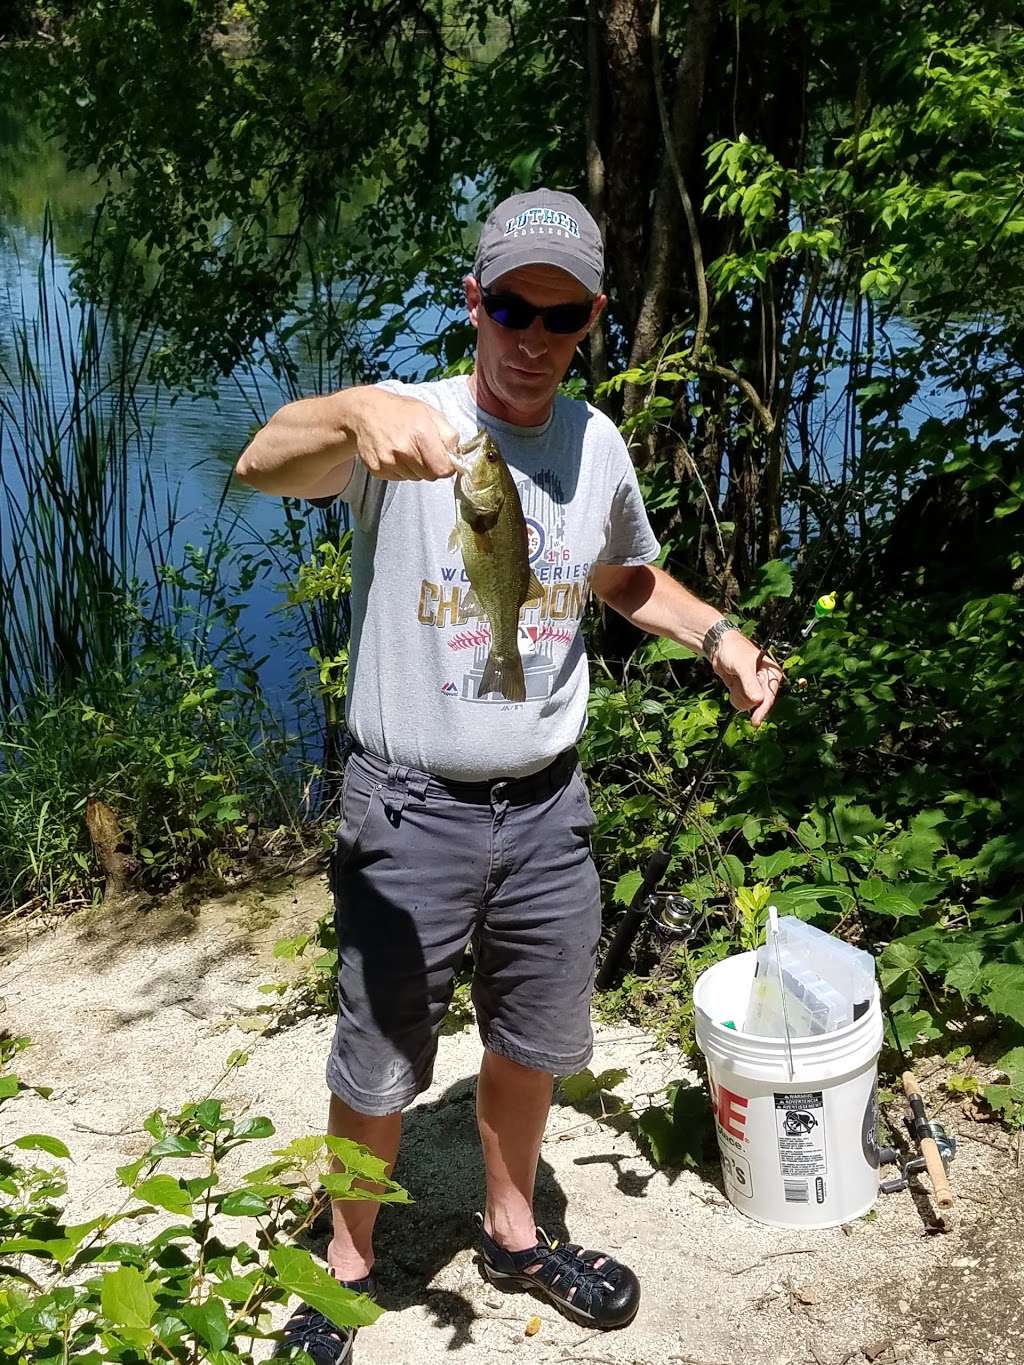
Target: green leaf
(675, 1133)
(244, 1204)
(853, 821)
(1006, 1100)
(966, 976)
(775, 579)
(209, 1322)
(627, 886)
(580, 1086)
(299, 1274)
(173, 1145)
(154, 1125)
(237, 1288)
(126, 1298)
(918, 1027)
(661, 650)
(208, 1115)
(129, 1173)
(895, 904)
(768, 865)
(1004, 990)
(256, 1127)
(42, 1142)
(1000, 856)
(731, 870)
(1011, 1064)
(9, 1085)
(611, 1077)
(522, 167)
(166, 1192)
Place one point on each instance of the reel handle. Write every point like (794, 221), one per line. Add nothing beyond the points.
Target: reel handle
(941, 1188)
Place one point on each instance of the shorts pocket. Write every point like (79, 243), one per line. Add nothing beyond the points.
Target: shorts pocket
(584, 818)
(358, 796)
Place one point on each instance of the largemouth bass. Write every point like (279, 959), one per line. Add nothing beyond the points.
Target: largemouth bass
(490, 530)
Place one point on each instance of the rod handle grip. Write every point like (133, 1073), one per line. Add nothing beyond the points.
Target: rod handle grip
(941, 1189)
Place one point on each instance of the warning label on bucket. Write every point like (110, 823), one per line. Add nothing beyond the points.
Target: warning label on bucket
(799, 1123)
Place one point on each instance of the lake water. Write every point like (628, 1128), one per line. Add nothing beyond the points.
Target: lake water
(195, 441)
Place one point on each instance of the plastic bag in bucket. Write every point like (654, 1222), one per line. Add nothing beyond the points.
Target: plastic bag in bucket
(799, 1144)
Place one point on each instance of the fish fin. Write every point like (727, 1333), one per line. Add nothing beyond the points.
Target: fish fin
(455, 539)
(533, 588)
(505, 676)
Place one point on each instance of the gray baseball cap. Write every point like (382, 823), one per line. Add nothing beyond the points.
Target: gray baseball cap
(542, 227)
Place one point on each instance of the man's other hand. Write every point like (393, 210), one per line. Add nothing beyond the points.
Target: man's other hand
(402, 438)
(754, 680)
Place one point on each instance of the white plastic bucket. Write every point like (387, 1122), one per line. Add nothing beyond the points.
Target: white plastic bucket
(798, 1151)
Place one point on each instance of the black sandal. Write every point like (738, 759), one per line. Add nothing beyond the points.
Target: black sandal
(587, 1286)
(309, 1330)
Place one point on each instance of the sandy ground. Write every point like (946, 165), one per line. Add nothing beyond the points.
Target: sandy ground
(134, 1010)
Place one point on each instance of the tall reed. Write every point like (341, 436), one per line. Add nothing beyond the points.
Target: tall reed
(123, 675)
(77, 502)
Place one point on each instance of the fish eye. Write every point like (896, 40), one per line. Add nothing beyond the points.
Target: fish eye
(492, 457)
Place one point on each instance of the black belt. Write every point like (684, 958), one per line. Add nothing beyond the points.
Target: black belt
(516, 789)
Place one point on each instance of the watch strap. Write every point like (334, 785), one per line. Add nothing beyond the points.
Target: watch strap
(713, 636)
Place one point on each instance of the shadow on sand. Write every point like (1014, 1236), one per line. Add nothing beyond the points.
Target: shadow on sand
(440, 1165)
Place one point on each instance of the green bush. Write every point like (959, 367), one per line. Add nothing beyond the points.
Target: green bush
(181, 755)
(883, 801)
(194, 1290)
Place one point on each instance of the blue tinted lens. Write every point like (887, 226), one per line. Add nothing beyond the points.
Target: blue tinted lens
(563, 318)
(509, 310)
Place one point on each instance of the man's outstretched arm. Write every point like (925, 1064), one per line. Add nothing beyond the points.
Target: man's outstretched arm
(653, 601)
(308, 447)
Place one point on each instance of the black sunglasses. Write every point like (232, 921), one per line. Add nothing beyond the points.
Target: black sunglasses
(509, 310)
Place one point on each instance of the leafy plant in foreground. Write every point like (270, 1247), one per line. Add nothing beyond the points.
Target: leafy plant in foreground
(200, 1286)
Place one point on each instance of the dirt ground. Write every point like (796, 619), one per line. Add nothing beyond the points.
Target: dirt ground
(140, 1009)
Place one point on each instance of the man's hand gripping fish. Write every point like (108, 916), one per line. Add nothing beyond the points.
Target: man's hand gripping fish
(490, 529)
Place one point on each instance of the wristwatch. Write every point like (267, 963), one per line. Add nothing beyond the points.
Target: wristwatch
(713, 636)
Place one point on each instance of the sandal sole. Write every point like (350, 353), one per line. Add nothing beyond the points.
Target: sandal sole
(503, 1279)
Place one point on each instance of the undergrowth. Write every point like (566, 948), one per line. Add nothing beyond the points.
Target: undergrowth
(186, 1261)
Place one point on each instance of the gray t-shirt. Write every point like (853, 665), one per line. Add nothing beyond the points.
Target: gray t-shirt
(419, 640)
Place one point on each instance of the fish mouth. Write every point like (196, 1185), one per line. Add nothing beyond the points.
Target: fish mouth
(460, 455)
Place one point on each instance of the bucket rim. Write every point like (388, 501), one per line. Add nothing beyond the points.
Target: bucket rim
(805, 1042)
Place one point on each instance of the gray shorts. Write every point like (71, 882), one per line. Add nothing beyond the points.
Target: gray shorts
(423, 867)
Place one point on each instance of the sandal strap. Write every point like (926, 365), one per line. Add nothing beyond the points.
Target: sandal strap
(567, 1267)
(561, 1266)
(313, 1332)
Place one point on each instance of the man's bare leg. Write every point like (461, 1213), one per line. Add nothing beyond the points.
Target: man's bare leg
(512, 1104)
(350, 1254)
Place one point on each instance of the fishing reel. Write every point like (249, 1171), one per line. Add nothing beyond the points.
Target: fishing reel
(673, 918)
(917, 1129)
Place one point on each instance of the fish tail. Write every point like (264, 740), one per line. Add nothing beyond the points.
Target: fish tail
(504, 674)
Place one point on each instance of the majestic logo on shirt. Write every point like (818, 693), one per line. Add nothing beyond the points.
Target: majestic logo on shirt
(534, 538)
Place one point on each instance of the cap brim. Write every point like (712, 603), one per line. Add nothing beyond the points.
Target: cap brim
(541, 253)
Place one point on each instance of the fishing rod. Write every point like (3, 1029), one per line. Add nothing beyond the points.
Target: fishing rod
(643, 905)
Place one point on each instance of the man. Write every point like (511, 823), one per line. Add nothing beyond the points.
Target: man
(464, 815)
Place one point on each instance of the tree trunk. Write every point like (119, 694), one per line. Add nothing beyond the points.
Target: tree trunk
(631, 151)
(667, 247)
